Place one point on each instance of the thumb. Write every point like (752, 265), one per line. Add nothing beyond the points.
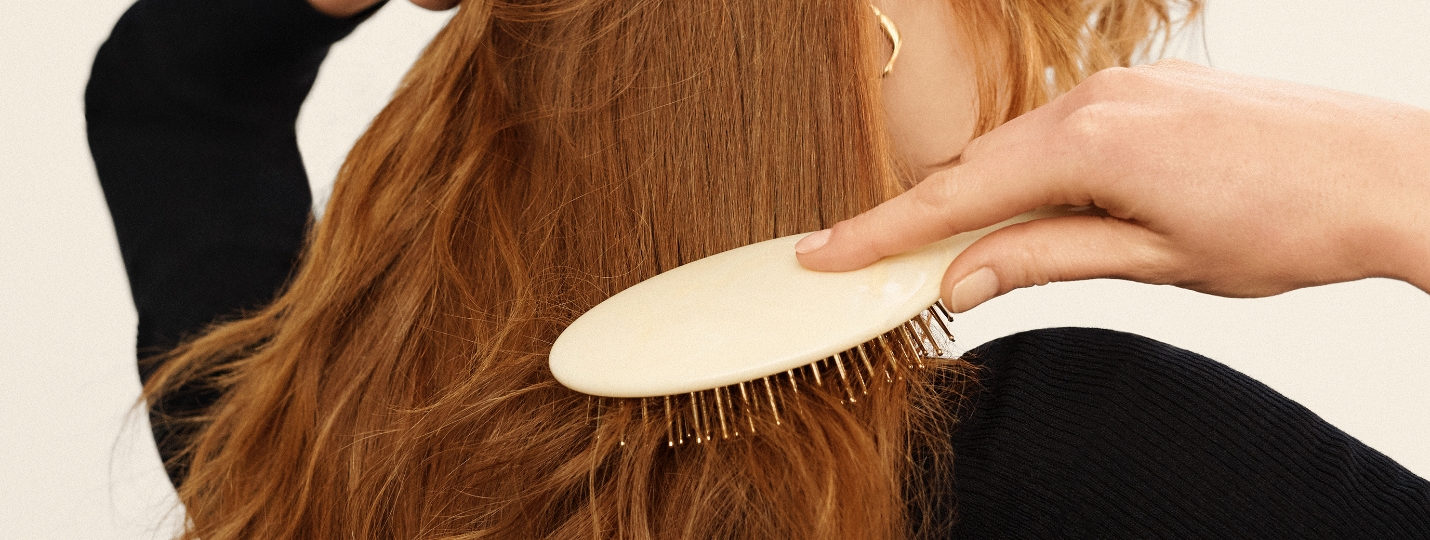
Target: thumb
(1055, 249)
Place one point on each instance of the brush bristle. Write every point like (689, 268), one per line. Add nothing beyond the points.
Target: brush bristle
(730, 411)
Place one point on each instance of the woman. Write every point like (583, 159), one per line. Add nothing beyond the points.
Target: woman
(542, 157)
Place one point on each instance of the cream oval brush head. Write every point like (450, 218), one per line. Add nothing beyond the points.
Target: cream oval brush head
(748, 314)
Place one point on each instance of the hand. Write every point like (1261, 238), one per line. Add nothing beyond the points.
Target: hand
(347, 8)
(1220, 183)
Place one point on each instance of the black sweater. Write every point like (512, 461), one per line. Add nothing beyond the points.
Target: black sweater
(1077, 433)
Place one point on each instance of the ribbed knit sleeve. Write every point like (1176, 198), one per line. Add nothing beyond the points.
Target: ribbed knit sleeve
(191, 107)
(1098, 434)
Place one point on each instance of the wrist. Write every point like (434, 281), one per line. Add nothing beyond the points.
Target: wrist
(1406, 213)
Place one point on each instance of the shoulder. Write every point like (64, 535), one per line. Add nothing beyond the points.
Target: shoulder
(1118, 435)
(1083, 377)
(1082, 350)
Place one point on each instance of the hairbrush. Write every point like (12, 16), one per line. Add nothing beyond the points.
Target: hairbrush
(716, 342)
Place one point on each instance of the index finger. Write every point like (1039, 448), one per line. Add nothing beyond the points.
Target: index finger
(1010, 170)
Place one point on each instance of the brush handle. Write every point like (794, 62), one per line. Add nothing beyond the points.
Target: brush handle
(745, 314)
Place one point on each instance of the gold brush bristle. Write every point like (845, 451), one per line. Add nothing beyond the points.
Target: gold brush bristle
(705, 415)
(759, 312)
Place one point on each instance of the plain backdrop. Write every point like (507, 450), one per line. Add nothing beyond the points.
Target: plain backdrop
(76, 463)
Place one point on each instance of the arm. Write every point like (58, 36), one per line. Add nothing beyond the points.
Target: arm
(191, 108)
(1220, 183)
(1094, 432)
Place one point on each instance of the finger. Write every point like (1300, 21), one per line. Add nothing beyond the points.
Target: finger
(341, 9)
(1010, 170)
(436, 5)
(1056, 249)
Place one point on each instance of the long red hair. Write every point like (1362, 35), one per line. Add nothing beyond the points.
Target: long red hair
(538, 158)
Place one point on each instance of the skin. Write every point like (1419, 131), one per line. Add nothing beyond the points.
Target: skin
(1220, 183)
(930, 97)
(348, 8)
(1216, 182)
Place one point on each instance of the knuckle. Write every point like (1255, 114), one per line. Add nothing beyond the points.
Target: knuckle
(1023, 260)
(866, 238)
(1144, 256)
(1176, 64)
(1108, 83)
(1094, 135)
(1039, 267)
(1148, 264)
(858, 235)
(1127, 83)
(1112, 75)
(931, 197)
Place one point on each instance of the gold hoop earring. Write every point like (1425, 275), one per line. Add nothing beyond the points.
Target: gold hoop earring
(892, 32)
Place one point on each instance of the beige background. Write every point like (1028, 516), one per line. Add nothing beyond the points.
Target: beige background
(75, 464)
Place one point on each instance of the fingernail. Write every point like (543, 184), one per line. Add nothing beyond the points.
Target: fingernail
(814, 241)
(974, 289)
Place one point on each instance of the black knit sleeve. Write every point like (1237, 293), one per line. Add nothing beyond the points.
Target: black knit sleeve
(1099, 434)
(190, 108)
